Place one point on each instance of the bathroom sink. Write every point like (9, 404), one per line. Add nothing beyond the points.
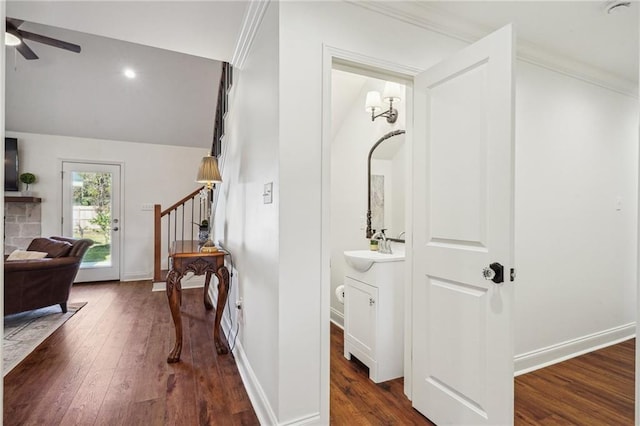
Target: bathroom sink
(363, 260)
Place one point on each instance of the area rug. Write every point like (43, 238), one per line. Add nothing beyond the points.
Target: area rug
(23, 332)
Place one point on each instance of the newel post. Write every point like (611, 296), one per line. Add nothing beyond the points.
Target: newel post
(157, 236)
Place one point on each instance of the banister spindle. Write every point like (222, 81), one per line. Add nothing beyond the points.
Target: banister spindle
(192, 207)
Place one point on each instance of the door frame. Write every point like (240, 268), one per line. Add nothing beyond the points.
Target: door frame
(378, 68)
(122, 223)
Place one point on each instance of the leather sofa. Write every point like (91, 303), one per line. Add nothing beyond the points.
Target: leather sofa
(37, 283)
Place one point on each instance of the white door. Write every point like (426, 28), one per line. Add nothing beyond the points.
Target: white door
(91, 209)
(463, 183)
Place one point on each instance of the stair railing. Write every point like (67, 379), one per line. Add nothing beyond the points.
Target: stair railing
(175, 216)
(179, 218)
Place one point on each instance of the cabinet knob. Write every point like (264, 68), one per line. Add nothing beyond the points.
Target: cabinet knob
(371, 301)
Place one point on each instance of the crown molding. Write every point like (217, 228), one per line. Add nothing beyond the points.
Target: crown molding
(431, 18)
(250, 24)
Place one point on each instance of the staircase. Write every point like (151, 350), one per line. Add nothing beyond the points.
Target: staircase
(180, 222)
(181, 219)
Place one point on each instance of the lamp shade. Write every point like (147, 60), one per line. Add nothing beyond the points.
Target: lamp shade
(208, 171)
(392, 91)
(373, 102)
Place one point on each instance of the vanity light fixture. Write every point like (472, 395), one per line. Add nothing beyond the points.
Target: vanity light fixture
(374, 103)
(208, 172)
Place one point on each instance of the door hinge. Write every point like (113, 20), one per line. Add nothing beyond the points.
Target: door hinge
(512, 274)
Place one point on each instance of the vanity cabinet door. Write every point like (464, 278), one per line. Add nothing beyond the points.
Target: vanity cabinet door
(361, 307)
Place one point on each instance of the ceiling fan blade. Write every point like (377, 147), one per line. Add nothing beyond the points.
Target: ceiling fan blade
(50, 41)
(26, 51)
(15, 22)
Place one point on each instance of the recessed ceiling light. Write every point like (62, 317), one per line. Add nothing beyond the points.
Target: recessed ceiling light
(129, 73)
(11, 40)
(615, 6)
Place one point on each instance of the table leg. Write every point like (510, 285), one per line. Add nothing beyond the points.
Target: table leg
(174, 294)
(223, 288)
(208, 304)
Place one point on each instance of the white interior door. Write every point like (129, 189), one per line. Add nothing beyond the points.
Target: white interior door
(463, 181)
(91, 209)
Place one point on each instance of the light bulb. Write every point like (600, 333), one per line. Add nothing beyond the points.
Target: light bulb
(11, 40)
(372, 104)
(392, 91)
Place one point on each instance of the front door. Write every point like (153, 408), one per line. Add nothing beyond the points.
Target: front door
(91, 209)
(463, 221)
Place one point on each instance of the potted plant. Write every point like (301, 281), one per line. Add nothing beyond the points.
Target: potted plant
(28, 179)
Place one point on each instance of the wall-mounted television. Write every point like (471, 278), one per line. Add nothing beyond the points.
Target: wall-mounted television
(11, 164)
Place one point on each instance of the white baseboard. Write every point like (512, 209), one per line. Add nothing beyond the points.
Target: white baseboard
(190, 281)
(554, 354)
(337, 318)
(312, 419)
(136, 276)
(263, 409)
(258, 398)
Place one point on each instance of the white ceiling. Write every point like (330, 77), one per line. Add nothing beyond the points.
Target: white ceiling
(573, 36)
(577, 30)
(202, 28)
(566, 34)
(171, 101)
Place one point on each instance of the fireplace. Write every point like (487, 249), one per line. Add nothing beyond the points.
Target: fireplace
(22, 222)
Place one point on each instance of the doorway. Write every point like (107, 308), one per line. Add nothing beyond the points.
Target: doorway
(419, 363)
(360, 68)
(91, 209)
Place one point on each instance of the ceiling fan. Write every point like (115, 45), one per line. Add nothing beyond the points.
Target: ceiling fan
(16, 37)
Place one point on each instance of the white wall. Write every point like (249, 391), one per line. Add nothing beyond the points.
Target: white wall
(248, 228)
(397, 191)
(349, 152)
(275, 134)
(576, 155)
(305, 27)
(156, 174)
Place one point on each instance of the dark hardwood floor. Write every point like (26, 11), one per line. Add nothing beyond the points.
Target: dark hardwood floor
(597, 388)
(107, 366)
(356, 400)
(593, 389)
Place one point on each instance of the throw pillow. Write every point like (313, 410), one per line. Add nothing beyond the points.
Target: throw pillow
(26, 255)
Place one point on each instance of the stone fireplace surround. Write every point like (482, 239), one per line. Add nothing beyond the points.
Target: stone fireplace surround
(22, 221)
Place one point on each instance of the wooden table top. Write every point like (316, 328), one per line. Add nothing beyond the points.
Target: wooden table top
(190, 248)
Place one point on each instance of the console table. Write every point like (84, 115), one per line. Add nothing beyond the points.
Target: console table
(187, 257)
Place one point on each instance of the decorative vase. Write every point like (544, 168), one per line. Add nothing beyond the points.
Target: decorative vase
(203, 235)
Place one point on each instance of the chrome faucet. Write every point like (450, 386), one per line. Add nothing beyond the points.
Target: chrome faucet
(383, 244)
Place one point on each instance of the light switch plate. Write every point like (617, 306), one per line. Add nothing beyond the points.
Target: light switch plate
(267, 194)
(146, 207)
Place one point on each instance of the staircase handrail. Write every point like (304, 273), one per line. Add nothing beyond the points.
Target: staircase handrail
(181, 202)
(158, 214)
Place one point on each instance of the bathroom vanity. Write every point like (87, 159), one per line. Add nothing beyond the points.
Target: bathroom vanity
(373, 312)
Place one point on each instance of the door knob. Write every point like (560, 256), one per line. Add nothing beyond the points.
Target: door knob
(115, 229)
(494, 272)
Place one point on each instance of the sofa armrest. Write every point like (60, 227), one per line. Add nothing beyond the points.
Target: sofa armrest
(39, 264)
